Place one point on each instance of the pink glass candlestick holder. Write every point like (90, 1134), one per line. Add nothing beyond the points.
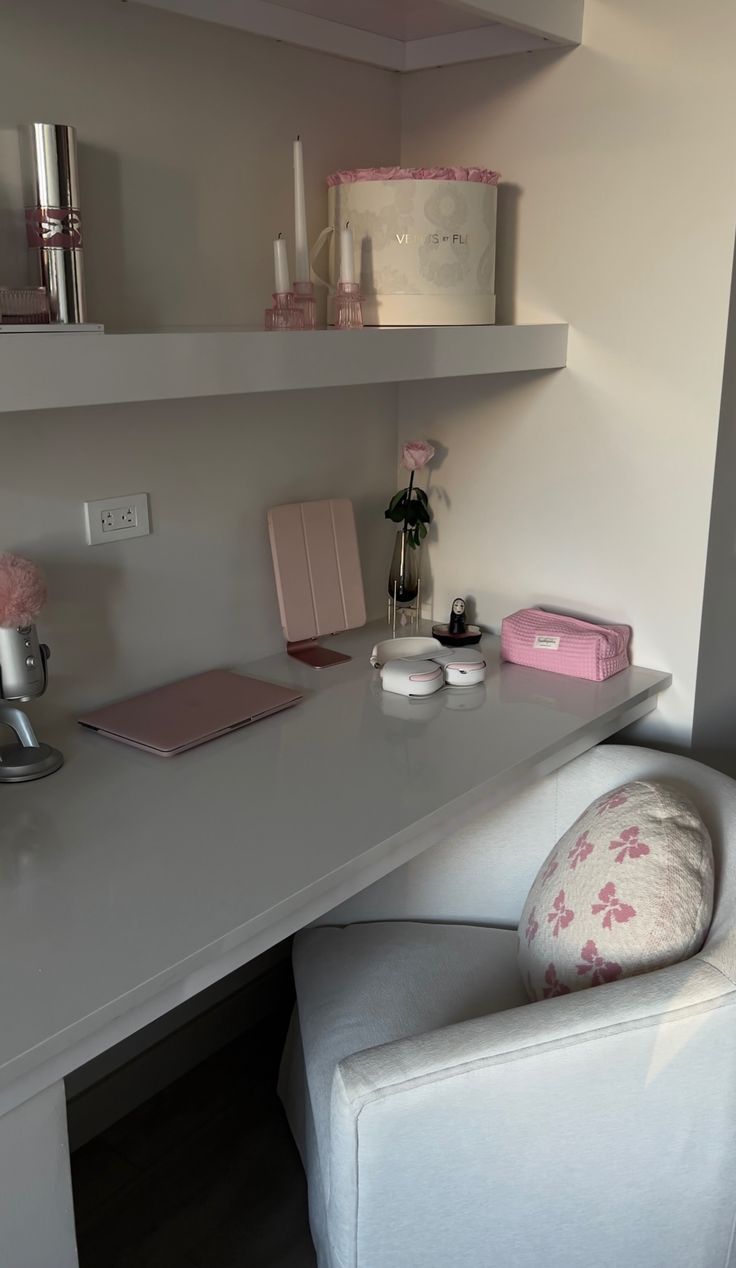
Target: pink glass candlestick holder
(24, 305)
(348, 308)
(305, 300)
(284, 315)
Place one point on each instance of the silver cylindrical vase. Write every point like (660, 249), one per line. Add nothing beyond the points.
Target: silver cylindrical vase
(53, 219)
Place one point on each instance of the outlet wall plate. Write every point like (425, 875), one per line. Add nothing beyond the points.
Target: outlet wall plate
(112, 519)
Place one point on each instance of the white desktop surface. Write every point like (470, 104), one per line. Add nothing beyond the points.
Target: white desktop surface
(128, 882)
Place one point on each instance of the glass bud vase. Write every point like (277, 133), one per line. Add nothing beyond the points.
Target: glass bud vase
(403, 579)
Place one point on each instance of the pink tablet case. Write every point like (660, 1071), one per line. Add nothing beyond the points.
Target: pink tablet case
(317, 568)
(183, 714)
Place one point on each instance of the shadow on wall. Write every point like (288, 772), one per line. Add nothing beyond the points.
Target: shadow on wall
(106, 263)
(507, 252)
(714, 720)
(79, 612)
(128, 250)
(14, 262)
(438, 497)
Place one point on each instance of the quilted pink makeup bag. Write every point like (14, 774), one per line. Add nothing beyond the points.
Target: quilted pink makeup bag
(564, 645)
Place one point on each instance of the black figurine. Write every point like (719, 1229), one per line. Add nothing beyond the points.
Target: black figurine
(457, 633)
(457, 617)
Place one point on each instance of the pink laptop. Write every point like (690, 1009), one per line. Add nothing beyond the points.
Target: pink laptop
(181, 715)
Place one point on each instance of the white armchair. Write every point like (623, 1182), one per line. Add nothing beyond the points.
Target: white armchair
(445, 1122)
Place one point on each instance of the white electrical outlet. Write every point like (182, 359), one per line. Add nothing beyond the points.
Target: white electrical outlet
(112, 519)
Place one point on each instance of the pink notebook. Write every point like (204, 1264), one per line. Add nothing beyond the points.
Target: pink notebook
(181, 715)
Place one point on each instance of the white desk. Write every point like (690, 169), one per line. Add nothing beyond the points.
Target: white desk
(128, 883)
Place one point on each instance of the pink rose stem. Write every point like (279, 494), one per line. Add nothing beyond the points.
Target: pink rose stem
(408, 500)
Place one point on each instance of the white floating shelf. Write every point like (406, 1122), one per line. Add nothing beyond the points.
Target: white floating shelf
(401, 35)
(48, 371)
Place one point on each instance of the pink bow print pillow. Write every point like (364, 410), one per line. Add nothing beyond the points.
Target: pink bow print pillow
(627, 889)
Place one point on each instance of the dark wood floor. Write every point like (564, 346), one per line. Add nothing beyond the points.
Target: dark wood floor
(204, 1175)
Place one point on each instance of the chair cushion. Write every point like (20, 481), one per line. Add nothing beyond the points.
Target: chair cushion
(369, 984)
(627, 889)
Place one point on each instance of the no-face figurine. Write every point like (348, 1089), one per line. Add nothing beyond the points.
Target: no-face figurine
(457, 617)
(457, 633)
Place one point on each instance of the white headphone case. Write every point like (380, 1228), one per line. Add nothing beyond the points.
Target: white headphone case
(404, 648)
(411, 676)
(463, 666)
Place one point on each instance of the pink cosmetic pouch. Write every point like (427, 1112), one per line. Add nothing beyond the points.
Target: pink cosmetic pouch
(564, 645)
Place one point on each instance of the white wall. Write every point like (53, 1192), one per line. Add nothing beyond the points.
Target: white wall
(185, 134)
(590, 489)
(199, 591)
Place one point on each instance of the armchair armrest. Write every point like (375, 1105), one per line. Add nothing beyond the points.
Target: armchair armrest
(492, 1132)
(552, 1025)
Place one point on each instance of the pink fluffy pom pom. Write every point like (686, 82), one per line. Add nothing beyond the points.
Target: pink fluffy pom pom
(22, 591)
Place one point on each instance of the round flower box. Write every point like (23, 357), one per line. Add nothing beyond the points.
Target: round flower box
(425, 242)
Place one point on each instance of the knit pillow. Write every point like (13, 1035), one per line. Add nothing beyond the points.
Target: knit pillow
(627, 889)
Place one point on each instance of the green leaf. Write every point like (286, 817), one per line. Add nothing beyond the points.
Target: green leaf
(395, 509)
(411, 511)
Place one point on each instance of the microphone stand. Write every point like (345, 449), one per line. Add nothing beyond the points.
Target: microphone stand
(25, 759)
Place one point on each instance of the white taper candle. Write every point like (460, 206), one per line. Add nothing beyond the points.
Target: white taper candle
(281, 266)
(347, 255)
(301, 262)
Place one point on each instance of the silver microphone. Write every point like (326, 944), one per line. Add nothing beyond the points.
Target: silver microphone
(22, 670)
(22, 663)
